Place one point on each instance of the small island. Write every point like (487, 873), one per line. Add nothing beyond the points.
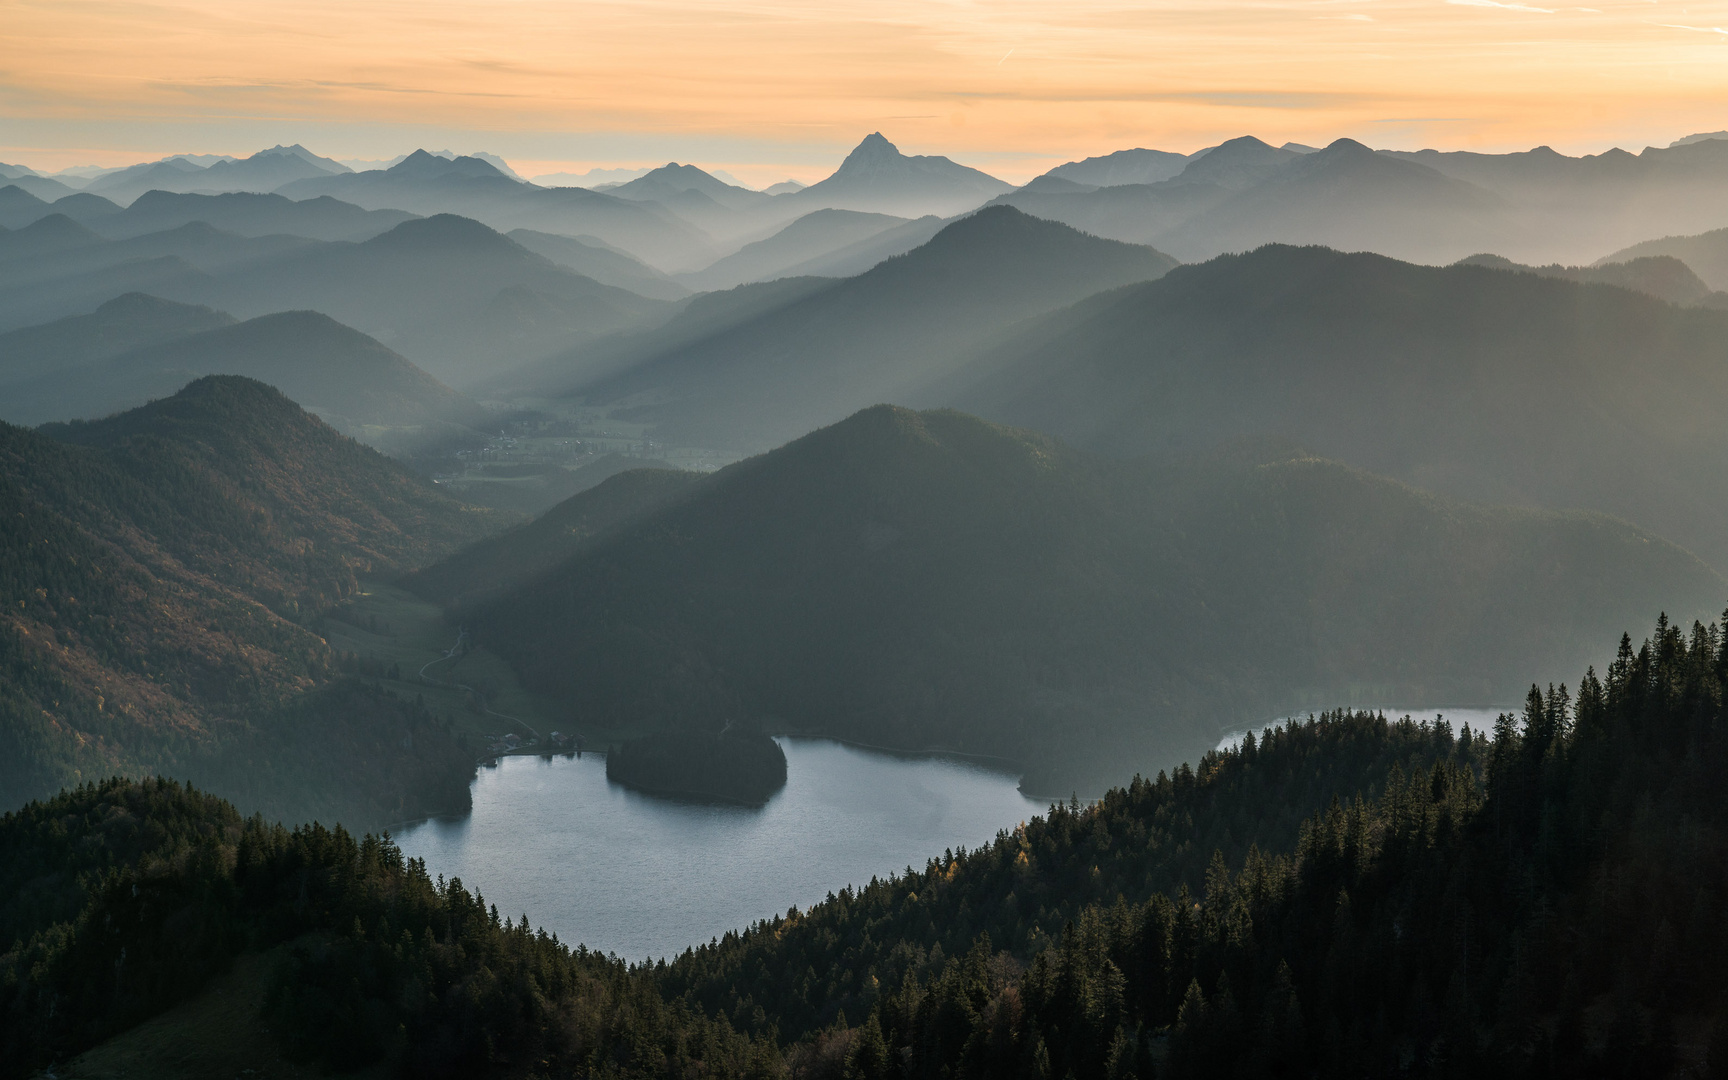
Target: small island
(732, 767)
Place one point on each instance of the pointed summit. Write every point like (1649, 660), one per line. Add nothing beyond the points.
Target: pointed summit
(877, 177)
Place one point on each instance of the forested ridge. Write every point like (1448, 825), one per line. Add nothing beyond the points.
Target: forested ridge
(928, 580)
(158, 572)
(1343, 896)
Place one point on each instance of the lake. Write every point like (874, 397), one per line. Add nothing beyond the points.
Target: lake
(639, 876)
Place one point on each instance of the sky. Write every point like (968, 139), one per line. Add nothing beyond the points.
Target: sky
(769, 90)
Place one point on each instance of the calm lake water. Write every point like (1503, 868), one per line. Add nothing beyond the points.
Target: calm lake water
(643, 877)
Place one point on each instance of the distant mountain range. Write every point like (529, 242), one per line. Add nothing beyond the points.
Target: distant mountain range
(461, 300)
(1483, 383)
(426, 184)
(888, 334)
(877, 178)
(932, 581)
(156, 569)
(137, 348)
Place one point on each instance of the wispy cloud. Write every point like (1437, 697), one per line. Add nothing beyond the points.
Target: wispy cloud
(1504, 7)
(1694, 29)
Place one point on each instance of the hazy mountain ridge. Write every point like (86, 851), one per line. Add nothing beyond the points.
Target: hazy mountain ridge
(1662, 276)
(1706, 255)
(889, 334)
(458, 298)
(347, 378)
(1465, 380)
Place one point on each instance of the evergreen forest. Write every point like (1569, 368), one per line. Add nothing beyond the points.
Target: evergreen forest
(1345, 895)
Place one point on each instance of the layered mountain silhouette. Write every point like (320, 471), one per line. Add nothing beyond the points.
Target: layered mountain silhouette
(1705, 254)
(1483, 383)
(877, 178)
(125, 323)
(1570, 209)
(1138, 166)
(158, 565)
(928, 580)
(247, 214)
(1661, 276)
(264, 171)
(342, 375)
(450, 293)
(889, 334)
(427, 184)
(594, 258)
(816, 236)
(1245, 193)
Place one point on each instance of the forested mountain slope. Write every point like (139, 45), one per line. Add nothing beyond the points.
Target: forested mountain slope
(931, 580)
(158, 567)
(1479, 383)
(1344, 896)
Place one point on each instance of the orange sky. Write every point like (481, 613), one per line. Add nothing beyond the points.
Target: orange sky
(768, 89)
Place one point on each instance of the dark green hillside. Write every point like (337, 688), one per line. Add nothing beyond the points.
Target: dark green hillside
(887, 335)
(156, 572)
(1341, 897)
(1479, 383)
(1541, 903)
(1143, 839)
(367, 960)
(931, 580)
(491, 567)
(341, 374)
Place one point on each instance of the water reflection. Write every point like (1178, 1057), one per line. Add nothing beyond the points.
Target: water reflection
(628, 873)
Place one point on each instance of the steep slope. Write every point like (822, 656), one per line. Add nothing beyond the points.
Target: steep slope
(1706, 254)
(877, 178)
(120, 325)
(1480, 383)
(930, 580)
(1138, 166)
(345, 377)
(157, 566)
(594, 258)
(427, 184)
(814, 236)
(887, 335)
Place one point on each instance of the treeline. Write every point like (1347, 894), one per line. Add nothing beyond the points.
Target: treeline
(1153, 837)
(1560, 916)
(1341, 897)
(133, 894)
